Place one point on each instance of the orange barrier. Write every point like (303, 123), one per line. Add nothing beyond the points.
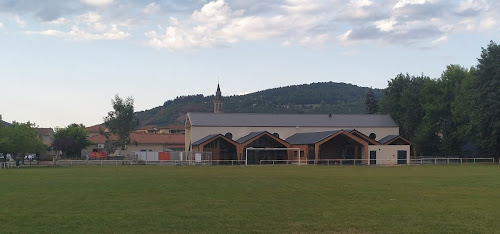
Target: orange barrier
(163, 155)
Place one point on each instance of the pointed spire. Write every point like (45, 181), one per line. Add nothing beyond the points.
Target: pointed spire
(218, 101)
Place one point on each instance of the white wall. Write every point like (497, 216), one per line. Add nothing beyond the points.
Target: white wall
(388, 154)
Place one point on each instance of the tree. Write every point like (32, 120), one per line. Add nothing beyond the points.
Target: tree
(371, 102)
(120, 122)
(485, 104)
(22, 138)
(402, 100)
(71, 140)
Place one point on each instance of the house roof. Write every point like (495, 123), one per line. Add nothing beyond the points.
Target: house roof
(95, 128)
(174, 126)
(145, 138)
(149, 128)
(248, 137)
(45, 131)
(290, 120)
(309, 138)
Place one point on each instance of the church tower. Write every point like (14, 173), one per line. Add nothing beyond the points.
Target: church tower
(218, 101)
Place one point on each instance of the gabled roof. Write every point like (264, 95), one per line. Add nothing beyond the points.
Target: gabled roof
(249, 136)
(212, 137)
(363, 136)
(209, 137)
(6, 124)
(290, 120)
(387, 139)
(391, 138)
(309, 137)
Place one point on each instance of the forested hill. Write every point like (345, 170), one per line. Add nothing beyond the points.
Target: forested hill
(328, 97)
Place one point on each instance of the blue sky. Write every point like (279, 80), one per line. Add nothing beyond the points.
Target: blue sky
(62, 61)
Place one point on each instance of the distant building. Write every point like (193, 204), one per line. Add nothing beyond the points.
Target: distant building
(96, 130)
(148, 129)
(173, 129)
(368, 138)
(47, 135)
(140, 142)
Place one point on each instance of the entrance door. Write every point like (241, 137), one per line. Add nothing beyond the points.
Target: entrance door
(311, 155)
(373, 157)
(402, 157)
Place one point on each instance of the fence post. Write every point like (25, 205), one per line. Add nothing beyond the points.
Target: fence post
(447, 161)
(474, 160)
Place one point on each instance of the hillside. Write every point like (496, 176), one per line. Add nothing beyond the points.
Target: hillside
(315, 98)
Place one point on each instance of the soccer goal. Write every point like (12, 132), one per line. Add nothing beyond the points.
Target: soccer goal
(273, 149)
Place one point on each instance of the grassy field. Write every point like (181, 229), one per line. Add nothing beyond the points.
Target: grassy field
(284, 199)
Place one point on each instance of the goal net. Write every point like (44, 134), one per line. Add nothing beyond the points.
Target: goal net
(261, 155)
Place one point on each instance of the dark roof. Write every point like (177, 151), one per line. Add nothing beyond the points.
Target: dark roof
(309, 138)
(248, 137)
(290, 120)
(387, 139)
(198, 142)
(5, 123)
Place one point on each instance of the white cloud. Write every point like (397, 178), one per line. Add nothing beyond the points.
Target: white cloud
(344, 38)
(216, 23)
(315, 41)
(1, 25)
(403, 3)
(58, 21)
(361, 3)
(439, 41)
(19, 21)
(97, 3)
(386, 25)
(474, 5)
(88, 26)
(301, 7)
(78, 34)
(487, 24)
(151, 8)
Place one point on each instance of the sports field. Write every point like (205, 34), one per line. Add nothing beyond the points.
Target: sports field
(269, 199)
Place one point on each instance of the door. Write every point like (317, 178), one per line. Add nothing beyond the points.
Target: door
(402, 157)
(373, 157)
(311, 155)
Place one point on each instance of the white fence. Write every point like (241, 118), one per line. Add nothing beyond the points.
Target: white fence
(5, 165)
(451, 160)
(361, 162)
(194, 161)
(156, 162)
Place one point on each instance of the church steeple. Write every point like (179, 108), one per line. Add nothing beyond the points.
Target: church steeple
(218, 101)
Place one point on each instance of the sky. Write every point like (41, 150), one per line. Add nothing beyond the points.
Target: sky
(63, 61)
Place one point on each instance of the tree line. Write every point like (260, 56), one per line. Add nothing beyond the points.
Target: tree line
(457, 114)
(315, 98)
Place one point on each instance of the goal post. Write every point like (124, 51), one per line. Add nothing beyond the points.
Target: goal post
(272, 149)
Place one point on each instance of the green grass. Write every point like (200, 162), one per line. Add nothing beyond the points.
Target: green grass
(268, 199)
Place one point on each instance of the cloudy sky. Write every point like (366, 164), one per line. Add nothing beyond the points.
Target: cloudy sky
(62, 61)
